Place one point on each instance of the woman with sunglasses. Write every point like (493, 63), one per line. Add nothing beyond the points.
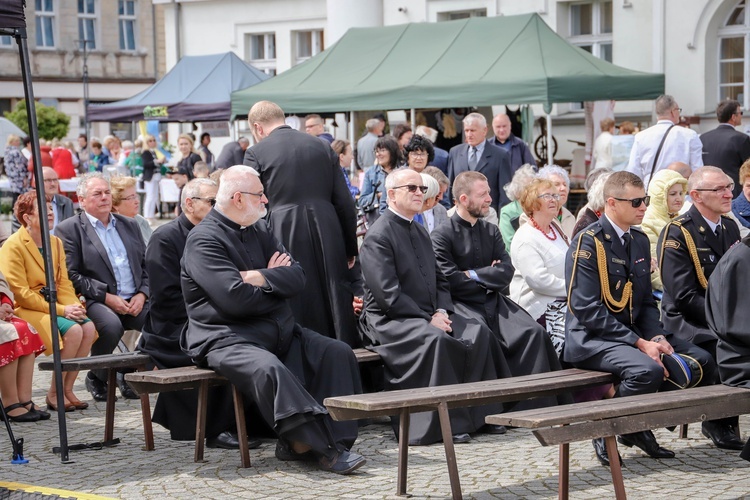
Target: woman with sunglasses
(538, 255)
(667, 191)
(151, 177)
(125, 201)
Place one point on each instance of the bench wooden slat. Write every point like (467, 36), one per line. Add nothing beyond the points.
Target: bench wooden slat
(123, 360)
(463, 395)
(366, 356)
(172, 379)
(609, 408)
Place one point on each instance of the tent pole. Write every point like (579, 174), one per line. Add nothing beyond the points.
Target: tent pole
(413, 120)
(51, 292)
(549, 138)
(353, 166)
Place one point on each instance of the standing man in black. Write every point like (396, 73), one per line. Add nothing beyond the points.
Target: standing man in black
(481, 155)
(724, 146)
(312, 213)
(517, 149)
(232, 153)
(613, 322)
(688, 250)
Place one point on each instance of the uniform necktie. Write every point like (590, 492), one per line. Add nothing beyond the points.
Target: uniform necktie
(473, 158)
(626, 242)
(717, 231)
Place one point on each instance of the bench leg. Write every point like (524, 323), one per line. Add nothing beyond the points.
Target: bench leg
(450, 452)
(615, 468)
(148, 431)
(239, 415)
(200, 421)
(109, 414)
(563, 476)
(684, 431)
(403, 452)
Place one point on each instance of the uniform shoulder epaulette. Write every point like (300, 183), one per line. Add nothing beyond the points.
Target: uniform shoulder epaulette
(680, 219)
(594, 228)
(726, 217)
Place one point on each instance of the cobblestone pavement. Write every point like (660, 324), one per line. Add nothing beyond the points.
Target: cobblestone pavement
(509, 466)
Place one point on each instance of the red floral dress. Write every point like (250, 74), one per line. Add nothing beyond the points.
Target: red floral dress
(28, 341)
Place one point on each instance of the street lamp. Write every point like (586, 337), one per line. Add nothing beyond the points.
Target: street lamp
(85, 90)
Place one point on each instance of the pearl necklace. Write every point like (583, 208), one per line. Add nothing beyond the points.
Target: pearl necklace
(546, 235)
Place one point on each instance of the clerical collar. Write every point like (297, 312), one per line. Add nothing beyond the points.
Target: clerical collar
(405, 218)
(463, 221)
(617, 228)
(226, 220)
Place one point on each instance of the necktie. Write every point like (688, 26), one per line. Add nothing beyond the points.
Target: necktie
(626, 242)
(473, 158)
(717, 232)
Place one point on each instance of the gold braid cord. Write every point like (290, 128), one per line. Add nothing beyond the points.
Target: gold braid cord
(613, 305)
(694, 257)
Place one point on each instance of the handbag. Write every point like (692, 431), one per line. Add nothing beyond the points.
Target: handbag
(555, 320)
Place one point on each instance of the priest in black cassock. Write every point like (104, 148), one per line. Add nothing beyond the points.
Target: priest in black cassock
(728, 317)
(471, 254)
(160, 336)
(311, 212)
(409, 320)
(236, 281)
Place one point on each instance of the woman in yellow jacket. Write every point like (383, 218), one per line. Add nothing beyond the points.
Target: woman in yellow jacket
(667, 190)
(22, 262)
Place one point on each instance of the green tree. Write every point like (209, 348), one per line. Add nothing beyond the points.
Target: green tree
(51, 122)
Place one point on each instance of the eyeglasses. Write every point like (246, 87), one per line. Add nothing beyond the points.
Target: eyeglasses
(412, 188)
(718, 190)
(549, 196)
(636, 202)
(418, 154)
(130, 198)
(211, 201)
(259, 195)
(679, 110)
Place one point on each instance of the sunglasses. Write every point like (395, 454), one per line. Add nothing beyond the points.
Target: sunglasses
(412, 188)
(211, 201)
(636, 202)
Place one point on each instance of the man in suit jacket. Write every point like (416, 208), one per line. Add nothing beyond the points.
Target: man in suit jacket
(105, 254)
(62, 207)
(723, 146)
(232, 153)
(480, 155)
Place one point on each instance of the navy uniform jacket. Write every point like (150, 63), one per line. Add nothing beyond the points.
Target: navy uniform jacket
(683, 304)
(590, 326)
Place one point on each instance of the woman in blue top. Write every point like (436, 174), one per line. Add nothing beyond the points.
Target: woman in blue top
(387, 159)
(741, 204)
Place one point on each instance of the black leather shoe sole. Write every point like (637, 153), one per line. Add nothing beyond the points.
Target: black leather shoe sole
(345, 463)
(97, 389)
(653, 451)
(727, 442)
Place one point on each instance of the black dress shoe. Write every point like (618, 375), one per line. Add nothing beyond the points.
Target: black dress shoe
(647, 442)
(723, 435)
(343, 463)
(461, 438)
(493, 429)
(228, 441)
(126, 391)
(600, 448)
(284, 452)
(29, 416)
(96, 387)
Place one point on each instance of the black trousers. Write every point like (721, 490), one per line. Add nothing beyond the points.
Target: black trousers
(110, 326)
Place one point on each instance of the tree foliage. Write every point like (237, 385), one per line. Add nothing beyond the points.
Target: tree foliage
(50, 122)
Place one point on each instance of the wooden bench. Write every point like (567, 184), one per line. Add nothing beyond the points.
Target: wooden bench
(607, 418)
(191, 377)
(112, 363)
(442, 398)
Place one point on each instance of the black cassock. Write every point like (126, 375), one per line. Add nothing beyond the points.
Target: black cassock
(248, 333)
(460, 247)
(728, 314)
(160, 338)
(403, 289)
(311, 212)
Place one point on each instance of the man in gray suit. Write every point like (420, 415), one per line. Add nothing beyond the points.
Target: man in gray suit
(480, 155)
(232, 153)
(105, 255)
(62, 207)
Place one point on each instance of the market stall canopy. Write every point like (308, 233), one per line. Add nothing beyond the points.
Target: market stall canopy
(469, 62)
(198, 88)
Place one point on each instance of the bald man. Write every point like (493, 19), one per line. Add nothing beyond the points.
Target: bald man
(517, 149)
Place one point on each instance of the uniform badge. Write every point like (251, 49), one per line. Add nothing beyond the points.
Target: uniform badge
(712, 257)
(607, 237)
(702, 229)
(672, 244)
(582, 254)
(618, 261)
(617, 286)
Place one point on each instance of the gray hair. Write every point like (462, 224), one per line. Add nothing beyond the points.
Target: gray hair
(664, 104)
(593, 176)
(232, 181)
(477, 118)
(550, 170)
(395, 178)
(83, 184)
(596, 197)
(433, 188)
(243, 140)
(520, 180)
(193, 189)
(696, 178)
(372, 124)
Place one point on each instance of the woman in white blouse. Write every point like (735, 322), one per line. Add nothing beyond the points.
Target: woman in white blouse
(538, 255)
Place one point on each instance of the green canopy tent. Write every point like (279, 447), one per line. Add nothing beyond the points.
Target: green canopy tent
(469, 62)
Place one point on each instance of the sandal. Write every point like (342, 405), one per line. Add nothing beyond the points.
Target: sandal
(43, 415)
(29, 416)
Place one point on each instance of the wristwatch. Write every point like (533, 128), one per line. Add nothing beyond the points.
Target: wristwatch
(441, 311)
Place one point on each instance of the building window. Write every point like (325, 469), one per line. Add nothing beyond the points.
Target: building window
(734, 37)
(45, 23)
(261, 48)
(590, 28)
(127, 19)
(87, 23)
(6, 42)
(308, 44)
(462, 14)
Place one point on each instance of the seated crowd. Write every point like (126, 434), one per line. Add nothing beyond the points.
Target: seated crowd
(508, 282)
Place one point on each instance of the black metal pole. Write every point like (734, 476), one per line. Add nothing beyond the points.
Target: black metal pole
(86, 95)
(23, 50)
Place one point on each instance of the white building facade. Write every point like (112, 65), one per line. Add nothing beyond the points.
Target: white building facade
(702, 46)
